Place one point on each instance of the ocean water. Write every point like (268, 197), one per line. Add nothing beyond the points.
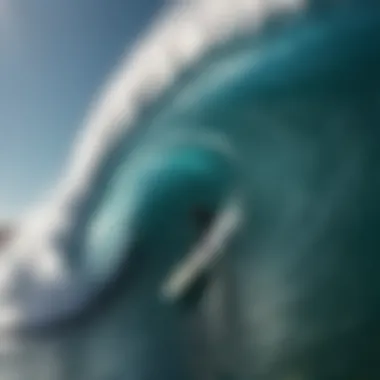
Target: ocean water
(293, 297)
(51, 269)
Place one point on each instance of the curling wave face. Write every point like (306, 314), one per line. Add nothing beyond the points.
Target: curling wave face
(35, 264)
(274, 138)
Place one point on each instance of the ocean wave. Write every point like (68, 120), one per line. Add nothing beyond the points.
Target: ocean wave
(38, 283)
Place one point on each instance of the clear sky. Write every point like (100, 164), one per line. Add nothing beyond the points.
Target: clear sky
(54, 55)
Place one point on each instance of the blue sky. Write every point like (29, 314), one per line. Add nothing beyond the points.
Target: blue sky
(54, 55)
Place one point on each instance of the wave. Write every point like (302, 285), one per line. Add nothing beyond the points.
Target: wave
(37, 281)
